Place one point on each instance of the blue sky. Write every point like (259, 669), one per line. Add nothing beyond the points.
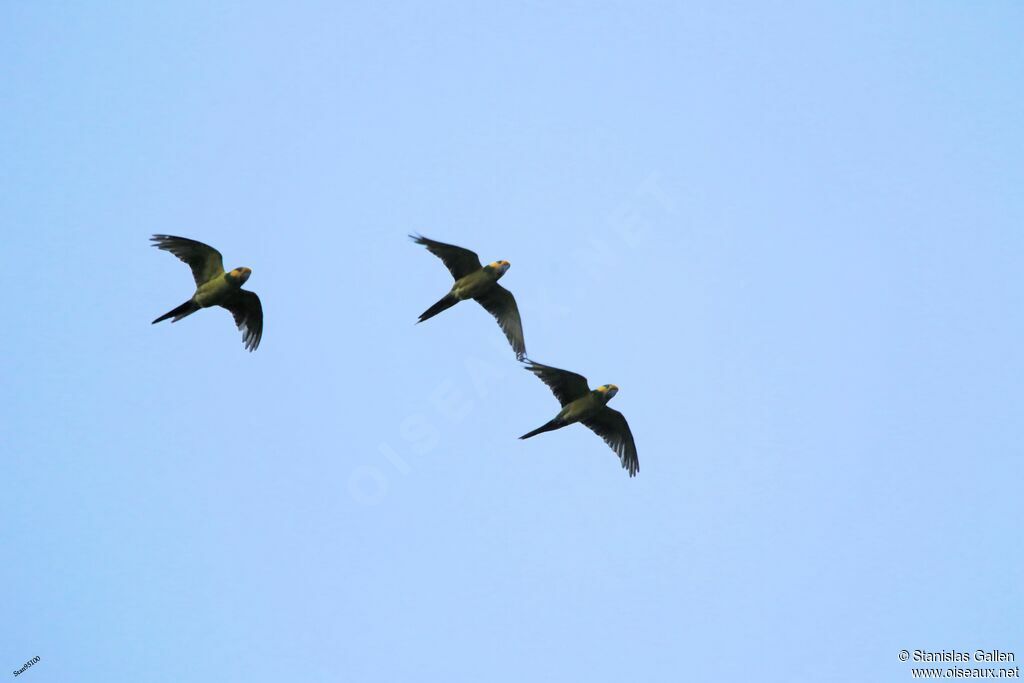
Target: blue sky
(789, 232)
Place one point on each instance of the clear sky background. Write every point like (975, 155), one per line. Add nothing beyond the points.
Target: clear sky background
(791, 233)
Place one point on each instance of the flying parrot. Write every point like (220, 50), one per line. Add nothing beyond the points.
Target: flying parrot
(214, 287)
(580, 404)
(478, 282)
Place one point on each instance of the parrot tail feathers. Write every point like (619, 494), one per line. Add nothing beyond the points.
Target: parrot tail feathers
(444, 304)
(553, 424)
(187, 308)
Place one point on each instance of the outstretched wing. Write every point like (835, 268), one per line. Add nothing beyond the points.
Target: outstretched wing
(566, 386)
(245, 306)
(205, 261)
(460, 262)
(611, 426)
(500, 303)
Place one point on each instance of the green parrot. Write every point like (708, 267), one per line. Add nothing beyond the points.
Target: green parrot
(214, 287)
(474, 281)
(580, 404)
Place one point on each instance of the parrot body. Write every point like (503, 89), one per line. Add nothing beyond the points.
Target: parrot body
(476, 283)
(579, 410)
(220, 289)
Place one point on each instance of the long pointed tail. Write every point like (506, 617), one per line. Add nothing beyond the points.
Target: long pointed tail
(187, 308)
(446, 302)
(553, 424)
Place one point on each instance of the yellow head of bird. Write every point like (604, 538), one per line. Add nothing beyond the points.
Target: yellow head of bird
(241, 274)
(500, 267)
(608, 391)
